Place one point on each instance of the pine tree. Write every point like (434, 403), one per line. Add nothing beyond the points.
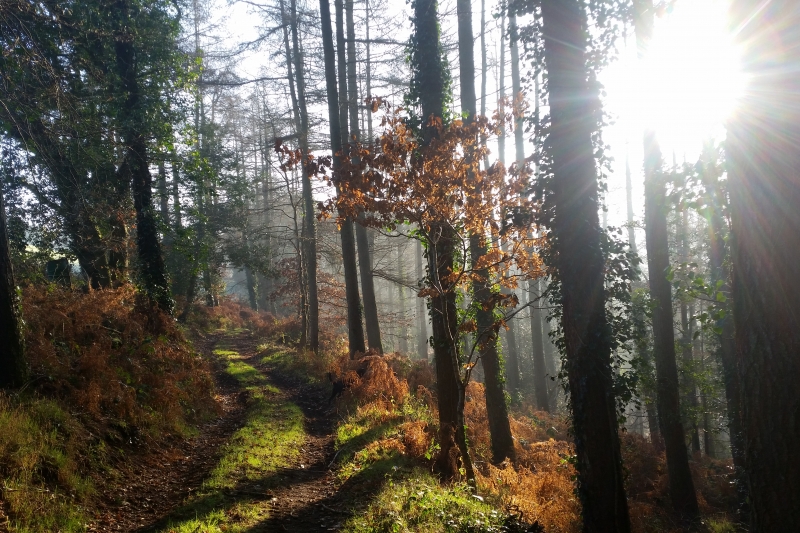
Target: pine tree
(580, 264)
(765, 227)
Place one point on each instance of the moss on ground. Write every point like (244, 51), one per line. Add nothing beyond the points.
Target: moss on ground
(235, 496)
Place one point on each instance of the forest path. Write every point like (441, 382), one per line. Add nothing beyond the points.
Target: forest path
(263, 466)
(156, 482)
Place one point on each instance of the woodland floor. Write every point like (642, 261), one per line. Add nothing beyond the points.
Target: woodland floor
(155, 490)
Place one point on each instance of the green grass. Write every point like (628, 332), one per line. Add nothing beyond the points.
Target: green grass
(41, 485)
(370, 424)
(234, 498)
(419, 503)
(722, 525)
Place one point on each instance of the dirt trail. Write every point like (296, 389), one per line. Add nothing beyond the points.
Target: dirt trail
(153, 483)
(306, 496)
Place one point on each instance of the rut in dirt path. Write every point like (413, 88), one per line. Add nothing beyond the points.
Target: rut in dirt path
(301, 500)
(155, 481)
(294, 491)
(166, 489)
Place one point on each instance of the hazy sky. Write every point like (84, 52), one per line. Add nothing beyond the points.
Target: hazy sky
(685, 89)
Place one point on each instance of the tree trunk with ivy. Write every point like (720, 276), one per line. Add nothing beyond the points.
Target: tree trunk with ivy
(580, 266)
(429, 80)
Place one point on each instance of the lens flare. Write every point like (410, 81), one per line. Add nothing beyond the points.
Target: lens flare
(688, 83)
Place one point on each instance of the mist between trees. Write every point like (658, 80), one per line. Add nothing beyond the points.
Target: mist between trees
(360, 182)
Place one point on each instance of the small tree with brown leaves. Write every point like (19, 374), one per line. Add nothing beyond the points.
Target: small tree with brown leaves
(431, 190)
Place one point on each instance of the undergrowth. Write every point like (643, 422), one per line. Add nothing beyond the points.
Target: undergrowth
(109, 375)
(386, 439)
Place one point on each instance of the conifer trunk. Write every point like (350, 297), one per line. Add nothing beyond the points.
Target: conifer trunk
(422, 327)
(765, 225)
(364, 256)
(687, 345)
(309, 220)
(682, 493)
(135, 165)
(337, 120)
(486, 339)
(718, 231)
(537, 348)
(580, 265)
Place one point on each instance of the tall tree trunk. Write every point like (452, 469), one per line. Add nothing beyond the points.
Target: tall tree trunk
(337, 119)
(687, 342)
(299, 231)
(364, 257)
(682, 493)
(176, 199)
(537, 348)
(401, 293)
(442, 238)
(629, 201)
(642, 353)
(135, 164)
(486, 338)
(501, 137)
(512, 367)
(552, 362)
(580, 266)
(13, 367)
(422, 322)
(765, 227)
(163, 195)
(309, 222)
(512, 360)
(717, 233)
(516, 84)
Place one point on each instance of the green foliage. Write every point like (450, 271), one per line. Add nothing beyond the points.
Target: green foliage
(624, 333)
(426, 79)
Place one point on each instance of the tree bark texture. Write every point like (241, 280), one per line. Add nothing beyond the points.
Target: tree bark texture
(441, 250)
(682, 493)
(13, 367)
(717, 232)
(309, 220)
(422, 322)
(691, 400)
(537, 348)
(765, 225)
(580, 266)
(684, 500)
(364, 257)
